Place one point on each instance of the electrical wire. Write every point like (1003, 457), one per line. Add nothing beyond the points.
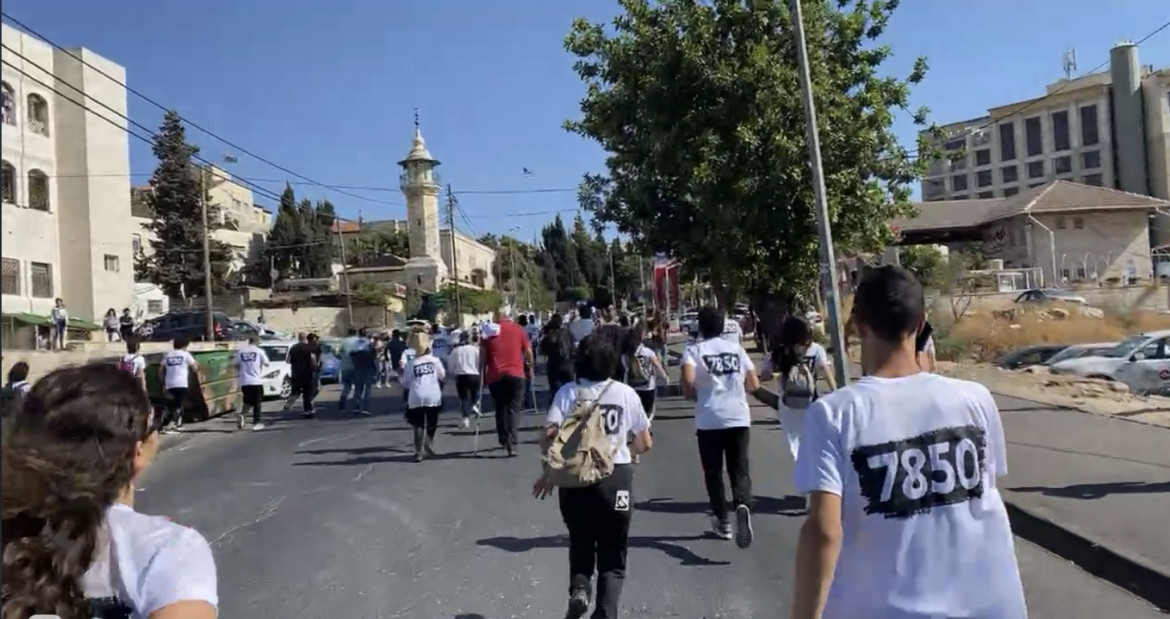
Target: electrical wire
(194, 125)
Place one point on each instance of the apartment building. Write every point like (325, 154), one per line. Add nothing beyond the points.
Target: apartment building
(242, 225)
(1107, 129)
(66, 220)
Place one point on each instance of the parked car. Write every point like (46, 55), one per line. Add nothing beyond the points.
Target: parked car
(1050, 295)
(1076, 351)
(191, 324)
(1142, 362)
(247, 328)
(689, 323)
(330, 362)
(278, 374)
(1028, 356)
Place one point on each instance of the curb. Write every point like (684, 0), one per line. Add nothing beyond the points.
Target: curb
(1112, 566)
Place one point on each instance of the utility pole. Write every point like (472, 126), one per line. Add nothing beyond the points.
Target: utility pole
(454, 255)
(210, 334)
(613, 296)
(512, 273)
(344, 271)
(828, 261)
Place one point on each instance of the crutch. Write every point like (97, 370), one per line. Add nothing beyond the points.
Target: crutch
(478, 414)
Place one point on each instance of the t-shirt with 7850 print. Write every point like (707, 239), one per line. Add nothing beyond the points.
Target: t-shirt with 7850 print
(926, 533)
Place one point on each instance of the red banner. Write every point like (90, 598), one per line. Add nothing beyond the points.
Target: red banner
(666, 276)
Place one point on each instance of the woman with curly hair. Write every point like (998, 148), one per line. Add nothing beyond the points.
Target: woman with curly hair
(73, 546)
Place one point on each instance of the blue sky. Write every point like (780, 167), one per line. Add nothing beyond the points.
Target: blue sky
(328, 89)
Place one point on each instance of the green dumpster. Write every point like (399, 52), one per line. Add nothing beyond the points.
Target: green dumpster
(215, 390)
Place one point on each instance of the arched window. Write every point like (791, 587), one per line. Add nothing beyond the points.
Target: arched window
(9, 103)
(38, 190)
(8, 183)
(38, 114)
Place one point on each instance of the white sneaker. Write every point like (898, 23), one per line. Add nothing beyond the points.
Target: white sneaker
(466, 422)
(475, 409)
(380, 386)
(259, 426)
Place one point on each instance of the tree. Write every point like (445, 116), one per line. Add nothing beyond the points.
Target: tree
(698, 106)
(176, 199)
(923, 261)
(559, 260)
(319, 255)
(285, 234)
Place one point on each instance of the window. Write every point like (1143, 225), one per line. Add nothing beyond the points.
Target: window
(985, 195)
(38, 114)
(1036, 169)
(136, 244)
(1062, 165)
(154, 306)
(1010, 191)
(983, 178)
(935, 188)
(983, 157)
(1007, 142)
(959, 182)
(1033, 136)
(112, 263)
(961, 197)
(10, 270)
(1093, 179)
(8, 183)
(1060, 137)
(1078, 223)
(1089, 131)
(1090, 160)
(957, 144)
(1081, 273)
(38, 190)
(980, 138)
(1060, 223)
(1009, 173)
(8, 104)
(42, 279)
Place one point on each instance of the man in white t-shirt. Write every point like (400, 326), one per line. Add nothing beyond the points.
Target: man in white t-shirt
(582, 326)
(177, 366)
(732, 332)
(251, 361)
(904, 519)
(717, 374)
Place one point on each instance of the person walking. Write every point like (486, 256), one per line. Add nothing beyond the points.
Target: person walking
(126, 324)
(557, 347)
(505, 357)
(718, 374)
(464, 365)
(110, 323)
(598, 515)
(177, 366)
(644, 370)
(60, 317)
(424, 375)
(797, 362)
(345, 366)
(251, 361)
(74, 545)
(134, 363)
(304, 360)
(382, 361)
(905, 518)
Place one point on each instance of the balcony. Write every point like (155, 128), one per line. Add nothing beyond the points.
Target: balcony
(38, 127)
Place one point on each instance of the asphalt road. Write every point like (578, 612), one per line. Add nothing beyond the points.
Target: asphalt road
(330, 518)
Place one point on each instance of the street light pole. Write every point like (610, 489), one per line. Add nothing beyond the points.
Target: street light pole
(210, 334)
(828, 261)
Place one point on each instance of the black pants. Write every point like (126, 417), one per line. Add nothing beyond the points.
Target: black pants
(467, 390)
(306, 387)
(730, 445)
(174, 407)
(598, 519)
(424, 419)
(253, 398)
(507, 393)
(558, 377)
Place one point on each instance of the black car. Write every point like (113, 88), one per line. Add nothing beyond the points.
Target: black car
(1028, 355)
(191, 324)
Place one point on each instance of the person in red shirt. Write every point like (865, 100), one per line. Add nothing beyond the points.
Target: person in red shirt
(506, 357)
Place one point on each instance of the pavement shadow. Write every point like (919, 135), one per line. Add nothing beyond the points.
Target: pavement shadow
(400, 456)
(664, 544)
(1097, 491)
(789, 506)
(469, 616)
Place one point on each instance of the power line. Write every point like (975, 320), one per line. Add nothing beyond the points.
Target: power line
(185, 120)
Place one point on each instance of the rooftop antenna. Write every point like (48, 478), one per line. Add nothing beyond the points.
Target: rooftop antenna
(1070, 63)
(416, 119)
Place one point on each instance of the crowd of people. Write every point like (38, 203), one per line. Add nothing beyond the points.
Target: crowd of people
(899, 469)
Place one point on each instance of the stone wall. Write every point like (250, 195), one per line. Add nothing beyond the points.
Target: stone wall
(325, 321)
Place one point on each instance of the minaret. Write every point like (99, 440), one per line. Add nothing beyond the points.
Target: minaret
(425, 269)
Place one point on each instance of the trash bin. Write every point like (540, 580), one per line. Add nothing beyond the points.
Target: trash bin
(215, 390)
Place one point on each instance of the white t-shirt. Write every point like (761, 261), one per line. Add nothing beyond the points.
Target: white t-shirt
(926, 533)
(423, 374)
(579, 329)
(407, 355)
(645, 358)
(464, 360)
(251, 360)
(440, 346)
(620, 406)
(792, 420)
(720, 367)
(144, 563)
(732, 331)
(133, 363)
(178, 366)
(533, 332)
(59, 314)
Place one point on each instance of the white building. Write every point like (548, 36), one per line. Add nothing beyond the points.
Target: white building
(66, 219)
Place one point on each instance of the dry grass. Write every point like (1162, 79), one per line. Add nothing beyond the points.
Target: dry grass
(984, 337)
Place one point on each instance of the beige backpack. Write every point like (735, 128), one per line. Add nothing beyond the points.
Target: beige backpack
(581, 453)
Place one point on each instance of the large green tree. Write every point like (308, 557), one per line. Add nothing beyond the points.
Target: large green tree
(559, 260)
(285, 236)
(698, 105)
(176, 197)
